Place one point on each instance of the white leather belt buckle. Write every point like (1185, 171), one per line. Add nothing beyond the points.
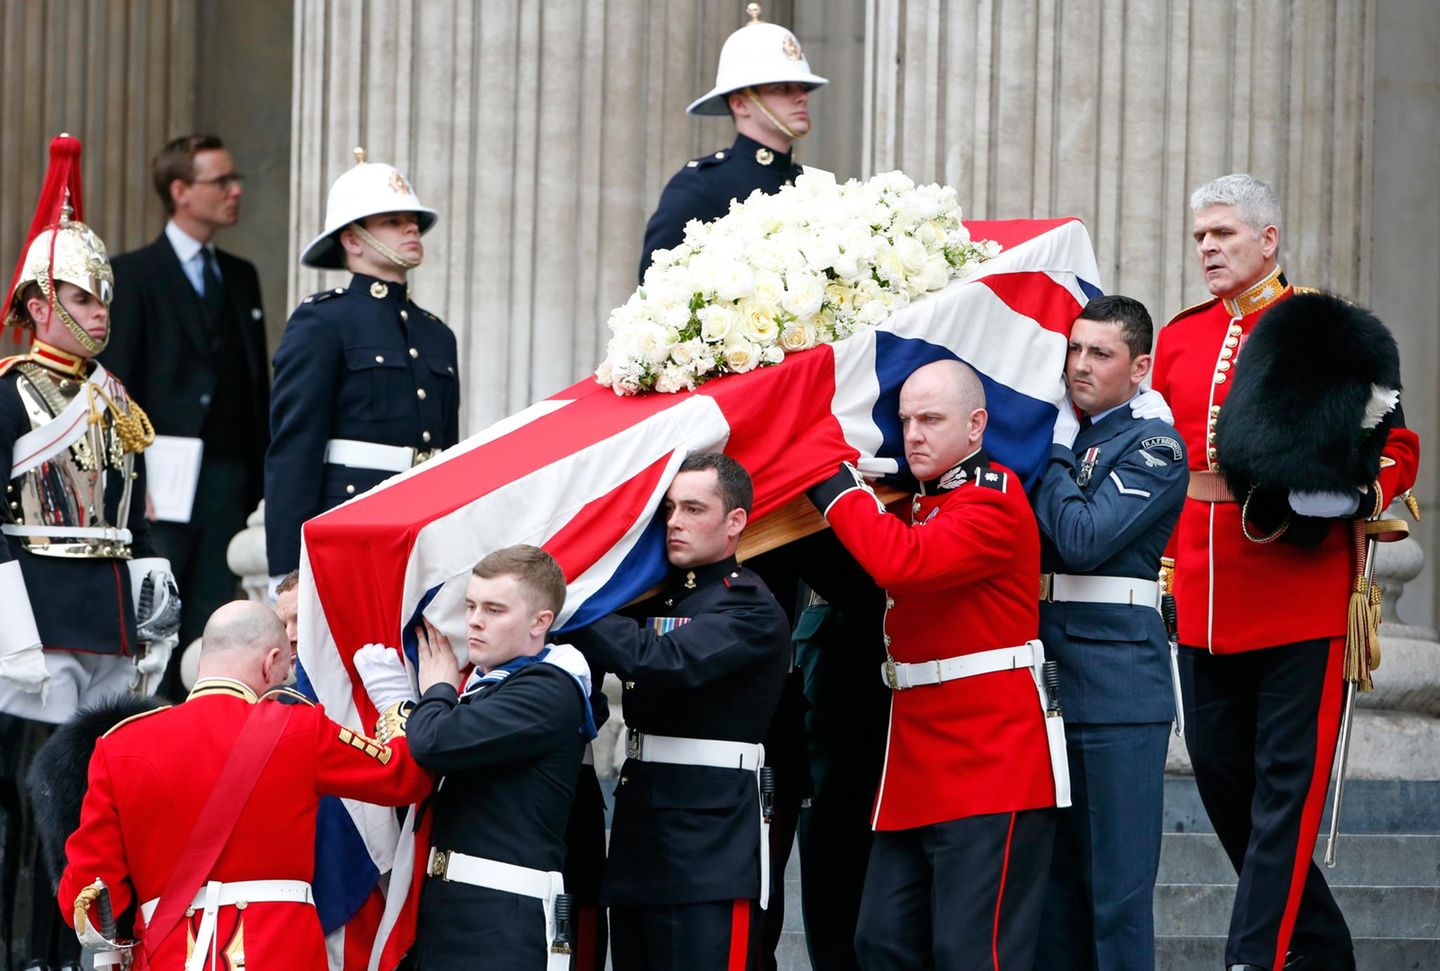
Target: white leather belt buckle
(369, 455)
(1126, 591)
(694, 751)
(478, 871)
(901, 676)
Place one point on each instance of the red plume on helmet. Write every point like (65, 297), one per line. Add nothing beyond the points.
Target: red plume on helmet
(62, 183)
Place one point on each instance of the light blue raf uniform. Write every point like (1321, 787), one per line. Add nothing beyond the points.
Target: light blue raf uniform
(1106, 507)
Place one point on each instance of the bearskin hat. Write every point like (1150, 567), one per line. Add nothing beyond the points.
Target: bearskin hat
(1315, 392)
(61, 771)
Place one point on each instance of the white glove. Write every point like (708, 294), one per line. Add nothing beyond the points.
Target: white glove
(1325, 505)
(384, 676)
(26, 669)
(1151, 404)
(1067, 426)
(157, 655)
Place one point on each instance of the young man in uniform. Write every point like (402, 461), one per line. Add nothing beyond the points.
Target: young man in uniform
(90, 609)
(687, 873)
(975, 758)
(165, 825)
(1262, 624)
(1106, 504)
(508, 742)
(763, 82)
(366, 383)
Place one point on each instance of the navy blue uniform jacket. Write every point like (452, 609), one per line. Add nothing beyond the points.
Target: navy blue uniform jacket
(362, 363)
(1114, 658)
(683, 833)
(704, 187)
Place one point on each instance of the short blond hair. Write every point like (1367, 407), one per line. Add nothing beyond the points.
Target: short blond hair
(535, 570)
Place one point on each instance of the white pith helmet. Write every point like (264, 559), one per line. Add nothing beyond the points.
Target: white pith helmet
(758, 53)
(368, 189)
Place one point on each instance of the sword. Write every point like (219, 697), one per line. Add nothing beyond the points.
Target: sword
(100, 935)
(1342, 743)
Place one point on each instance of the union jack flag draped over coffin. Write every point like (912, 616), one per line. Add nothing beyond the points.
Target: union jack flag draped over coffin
(582, 474)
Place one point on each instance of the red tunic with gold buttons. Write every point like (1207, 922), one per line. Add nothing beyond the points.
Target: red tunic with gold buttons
(1233, 594)
(960, 574)
(149, 779)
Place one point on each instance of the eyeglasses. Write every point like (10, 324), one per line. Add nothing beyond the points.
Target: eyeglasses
(223, 182)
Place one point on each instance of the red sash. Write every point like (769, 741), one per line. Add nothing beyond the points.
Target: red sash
(248, 758)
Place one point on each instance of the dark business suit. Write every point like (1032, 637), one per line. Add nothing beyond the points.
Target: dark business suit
(1106, 508)
(202, 376)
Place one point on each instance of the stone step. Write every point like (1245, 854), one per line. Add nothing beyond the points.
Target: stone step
(1371, 806)
(1362, 860)
(1371, 954)
(1203, 909)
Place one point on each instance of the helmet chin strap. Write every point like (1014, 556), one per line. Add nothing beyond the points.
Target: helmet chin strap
(785, 129)
(381, 248)
(82, 337)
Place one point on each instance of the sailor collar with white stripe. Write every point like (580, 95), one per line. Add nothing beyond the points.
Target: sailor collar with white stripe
(968, 471)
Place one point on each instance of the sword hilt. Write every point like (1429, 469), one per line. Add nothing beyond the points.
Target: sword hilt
(1169, 615)
(105, 913)
(767, 792)
(564, 940)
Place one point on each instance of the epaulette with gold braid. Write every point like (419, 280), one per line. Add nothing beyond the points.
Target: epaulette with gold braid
(1195, 308)
(134, 718)
(9, 362)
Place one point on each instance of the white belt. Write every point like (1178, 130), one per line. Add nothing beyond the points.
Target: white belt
(1063, 588)
(900, 676)
(717, 754)
(371, 455)
(477, 871)
(109, 534)
(241, 893)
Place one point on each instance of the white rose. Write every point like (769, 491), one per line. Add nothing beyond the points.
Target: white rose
(648, 342)
(739, 355)
(603, 373)
(824, 325)
(733, 280)
(718, 322)
(768, 287)
(937, 272)
(912, 254)
(804, 293)
(839, 296)
(757, 320)
(797, 336)
(765, 255)
(772, 355)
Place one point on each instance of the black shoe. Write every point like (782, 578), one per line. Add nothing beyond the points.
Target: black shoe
(1343, 961)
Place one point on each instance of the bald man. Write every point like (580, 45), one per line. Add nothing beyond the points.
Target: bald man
(964, 816)
(204, 813)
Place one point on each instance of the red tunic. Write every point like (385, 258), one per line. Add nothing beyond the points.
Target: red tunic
(1232, 594)
(961, 574)
(149, 779)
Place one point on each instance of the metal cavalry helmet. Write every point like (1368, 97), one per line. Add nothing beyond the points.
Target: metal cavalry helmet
(368, 189)
(61, 248)
(758, 53)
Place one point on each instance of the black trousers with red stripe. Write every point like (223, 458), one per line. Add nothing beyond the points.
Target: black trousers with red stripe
(1261, 727)
(722, 935)
(959, 896)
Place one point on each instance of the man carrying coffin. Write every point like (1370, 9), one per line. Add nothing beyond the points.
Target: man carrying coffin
(687, 873)
(975, 758)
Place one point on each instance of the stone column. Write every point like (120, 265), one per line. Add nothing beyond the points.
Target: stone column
(1114, 112)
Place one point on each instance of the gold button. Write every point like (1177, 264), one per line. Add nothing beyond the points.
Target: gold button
(1214, 410)
(623, 780)
(1212, 453)
(414, 353)
(719, 154)
(1219, 379)
(629, 685)
(379, 358)
(1235, 330)
(1223, 366)
(425, 435)
(420, 393)
(350, 490)
(889, 603)
(887, 640)
(1226, 354)
(1232, 342)
(404, 314)
(339, 289)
